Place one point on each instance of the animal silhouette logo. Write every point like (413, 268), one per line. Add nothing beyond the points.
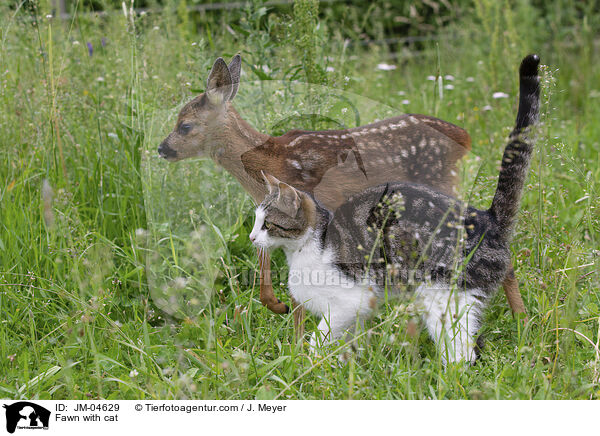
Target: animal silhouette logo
(26, 415)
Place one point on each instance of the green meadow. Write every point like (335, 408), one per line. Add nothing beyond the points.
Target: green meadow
(123, 276)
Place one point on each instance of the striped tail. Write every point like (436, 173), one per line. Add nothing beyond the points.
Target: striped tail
(517, 155)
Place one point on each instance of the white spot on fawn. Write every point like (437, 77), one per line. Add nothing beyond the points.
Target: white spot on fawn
(295, 164)
(291, 144)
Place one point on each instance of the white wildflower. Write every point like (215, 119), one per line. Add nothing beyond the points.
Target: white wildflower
(330, 69)
(113, 135)
(449, 77)
(486, 108)
(449, 86)
(405, 102)
(431, 78)
(133, 373)
(470, 79)
(386, 67)
(497, 95)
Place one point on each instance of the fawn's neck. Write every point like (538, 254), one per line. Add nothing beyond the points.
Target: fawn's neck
(238, 137)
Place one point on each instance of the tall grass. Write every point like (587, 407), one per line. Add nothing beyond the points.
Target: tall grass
(79, 130)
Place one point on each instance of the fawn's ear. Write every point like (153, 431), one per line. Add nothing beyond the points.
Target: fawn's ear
(235, 69)
(271, 182)
(219, 85)
(288, 200)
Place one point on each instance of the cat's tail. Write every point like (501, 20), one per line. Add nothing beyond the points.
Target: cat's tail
(517, 155)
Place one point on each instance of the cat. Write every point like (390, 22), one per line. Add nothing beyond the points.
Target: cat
(403, 237)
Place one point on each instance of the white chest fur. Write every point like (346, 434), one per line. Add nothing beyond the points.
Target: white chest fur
(321, 287)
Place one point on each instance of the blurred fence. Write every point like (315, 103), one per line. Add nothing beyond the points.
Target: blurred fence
(60, 11)
(60, 7)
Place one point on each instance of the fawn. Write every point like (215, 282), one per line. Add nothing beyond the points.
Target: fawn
(332, 165)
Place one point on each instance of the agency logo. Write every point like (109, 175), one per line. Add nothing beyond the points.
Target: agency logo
(26, 415)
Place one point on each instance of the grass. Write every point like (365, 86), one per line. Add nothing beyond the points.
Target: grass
(108, 255)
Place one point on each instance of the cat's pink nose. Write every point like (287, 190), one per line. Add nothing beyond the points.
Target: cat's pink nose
(252, 237)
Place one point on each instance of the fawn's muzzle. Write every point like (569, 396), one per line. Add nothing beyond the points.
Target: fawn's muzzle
(165, 151)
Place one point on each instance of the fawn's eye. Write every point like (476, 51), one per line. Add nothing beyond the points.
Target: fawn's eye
(184, 129)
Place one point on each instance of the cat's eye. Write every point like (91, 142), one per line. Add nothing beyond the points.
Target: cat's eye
(267, 226)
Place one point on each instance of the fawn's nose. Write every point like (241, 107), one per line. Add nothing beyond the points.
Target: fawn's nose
(165, 151)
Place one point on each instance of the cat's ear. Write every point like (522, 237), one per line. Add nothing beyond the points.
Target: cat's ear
(288, 200)
(271, 182)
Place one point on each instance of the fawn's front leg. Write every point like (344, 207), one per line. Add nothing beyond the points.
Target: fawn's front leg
(511, 289)
(267, 296)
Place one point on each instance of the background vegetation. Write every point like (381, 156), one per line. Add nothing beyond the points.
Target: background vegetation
(85, 101)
